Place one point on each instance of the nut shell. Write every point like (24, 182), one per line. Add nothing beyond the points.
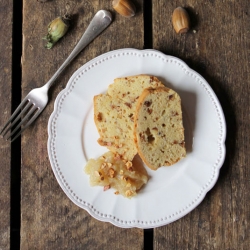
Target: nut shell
(125, 8)
(180, 20)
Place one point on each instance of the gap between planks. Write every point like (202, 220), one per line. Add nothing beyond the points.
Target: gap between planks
(15, 187)
(148, 43)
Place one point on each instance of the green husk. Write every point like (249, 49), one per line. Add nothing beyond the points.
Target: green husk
(56, 30)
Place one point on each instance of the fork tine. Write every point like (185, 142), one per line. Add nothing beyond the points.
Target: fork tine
(36, 114)
(26, 107)
(14, 114)
(27, 116)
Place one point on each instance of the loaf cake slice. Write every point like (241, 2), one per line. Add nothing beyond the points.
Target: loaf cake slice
(114, 113)
(158, 127)
(114, 122)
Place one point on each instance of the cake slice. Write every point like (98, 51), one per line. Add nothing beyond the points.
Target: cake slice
(158, 127)
(114, 122)
(114, 113)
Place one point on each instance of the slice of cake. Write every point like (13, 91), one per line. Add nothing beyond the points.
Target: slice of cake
(114, 121)
(158, 127)
(111, 171)
(114, 113)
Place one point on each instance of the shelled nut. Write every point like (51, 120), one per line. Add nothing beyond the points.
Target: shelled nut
(180, 20)
(125, 8)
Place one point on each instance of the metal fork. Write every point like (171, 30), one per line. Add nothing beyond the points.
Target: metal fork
(36, 100)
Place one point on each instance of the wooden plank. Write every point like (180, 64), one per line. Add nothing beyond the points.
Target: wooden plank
(6, 14)
(49, 219)
(218, 48)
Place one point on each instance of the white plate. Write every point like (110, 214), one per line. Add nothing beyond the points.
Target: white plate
(171, 192)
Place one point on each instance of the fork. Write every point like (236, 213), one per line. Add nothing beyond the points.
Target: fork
(36, 100)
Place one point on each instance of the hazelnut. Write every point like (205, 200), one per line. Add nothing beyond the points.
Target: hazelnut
(128, 193)
(125, 8)
(111, 173)
(97, 173)
(105, 188)
(181, 21)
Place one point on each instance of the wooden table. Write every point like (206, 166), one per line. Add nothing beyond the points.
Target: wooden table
(34, 211)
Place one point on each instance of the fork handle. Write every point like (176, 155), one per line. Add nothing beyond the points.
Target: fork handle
(100, 22)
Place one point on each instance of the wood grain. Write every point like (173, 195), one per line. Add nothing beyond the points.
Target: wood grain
(217, 47)
(49, 219)
(6, 14)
